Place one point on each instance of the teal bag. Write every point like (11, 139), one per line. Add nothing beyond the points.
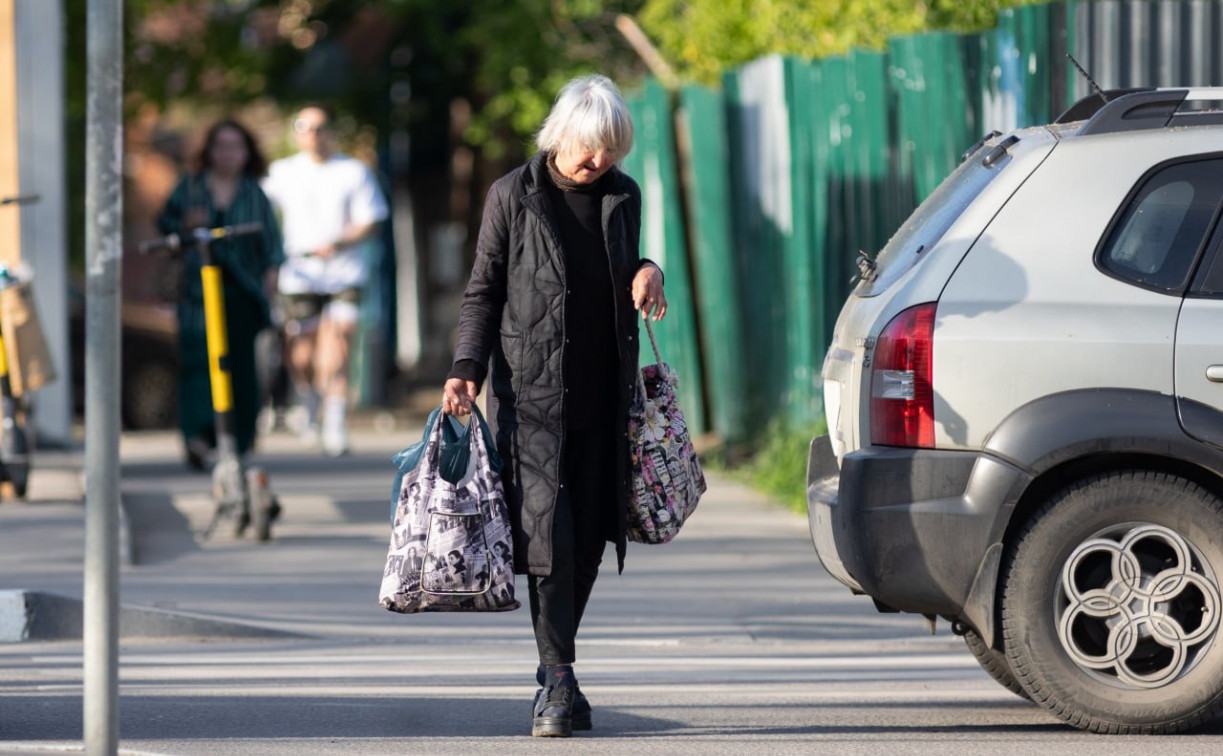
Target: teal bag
(454, 454)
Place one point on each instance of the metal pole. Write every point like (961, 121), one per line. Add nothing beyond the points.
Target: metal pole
(103, 263)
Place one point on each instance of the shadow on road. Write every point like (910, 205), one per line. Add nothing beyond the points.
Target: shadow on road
(159, 531)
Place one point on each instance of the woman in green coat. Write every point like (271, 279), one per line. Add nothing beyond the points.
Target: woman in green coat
(223, 191)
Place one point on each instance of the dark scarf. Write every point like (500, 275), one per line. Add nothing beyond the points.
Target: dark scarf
(563, 182)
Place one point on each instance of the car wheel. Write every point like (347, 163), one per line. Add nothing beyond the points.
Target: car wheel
(149, 395)
(1111, 604)
(993, 662)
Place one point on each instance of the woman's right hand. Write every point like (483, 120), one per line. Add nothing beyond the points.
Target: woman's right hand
(457, 396)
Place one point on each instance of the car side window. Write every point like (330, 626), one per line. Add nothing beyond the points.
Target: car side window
(1159, 235)
(1212, 281)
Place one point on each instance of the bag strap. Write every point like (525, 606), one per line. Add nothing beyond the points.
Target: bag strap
(657, 358)
(476, 428)
(433, 445)
(650, 332)
(476, 424)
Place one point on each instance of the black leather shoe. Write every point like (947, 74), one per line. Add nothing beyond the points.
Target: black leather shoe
(581, 707)
(553, 713)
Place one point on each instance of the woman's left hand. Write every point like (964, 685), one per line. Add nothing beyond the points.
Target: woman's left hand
(647, 292)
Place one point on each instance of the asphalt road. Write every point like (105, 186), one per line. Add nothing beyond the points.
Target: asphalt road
(730, 640)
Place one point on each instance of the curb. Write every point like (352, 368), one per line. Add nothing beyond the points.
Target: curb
(38, 748)
(38, 616)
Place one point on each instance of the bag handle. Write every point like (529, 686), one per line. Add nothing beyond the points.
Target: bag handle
(433, 445)
(657, 358)
(436, 432)
(650, 332)
(475, 428)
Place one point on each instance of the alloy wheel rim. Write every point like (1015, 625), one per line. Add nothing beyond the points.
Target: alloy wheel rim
(1137, 607)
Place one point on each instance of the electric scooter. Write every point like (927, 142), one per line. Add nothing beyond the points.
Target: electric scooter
(239, 491)
(14, 444)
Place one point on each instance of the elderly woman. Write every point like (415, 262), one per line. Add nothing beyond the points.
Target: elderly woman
(552, 300)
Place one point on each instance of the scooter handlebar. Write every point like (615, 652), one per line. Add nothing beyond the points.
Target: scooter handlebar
(238, 229)
(21, 199)
(173, 242)
(170, 242)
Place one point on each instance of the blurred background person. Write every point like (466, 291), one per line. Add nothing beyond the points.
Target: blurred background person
(560, 328)
(223, 190)
(330, 206)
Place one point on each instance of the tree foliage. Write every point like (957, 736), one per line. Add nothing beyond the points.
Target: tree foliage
(703, 38)
(506, 59)
(522, 52)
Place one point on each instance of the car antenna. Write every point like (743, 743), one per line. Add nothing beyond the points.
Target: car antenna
(1090, 80)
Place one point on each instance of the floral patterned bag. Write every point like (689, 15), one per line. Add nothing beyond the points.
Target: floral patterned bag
(667, 478)
(451, 549)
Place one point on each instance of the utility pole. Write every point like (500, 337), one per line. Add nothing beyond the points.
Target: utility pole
(103, 265)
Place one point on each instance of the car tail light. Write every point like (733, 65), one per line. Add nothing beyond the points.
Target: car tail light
(902, 393)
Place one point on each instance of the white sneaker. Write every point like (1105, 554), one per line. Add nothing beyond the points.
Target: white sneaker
(335, 428)
(299, 421)
(335, 441)
(297, 418)
(270, 420)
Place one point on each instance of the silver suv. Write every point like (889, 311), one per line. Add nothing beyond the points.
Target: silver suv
(1024, 396)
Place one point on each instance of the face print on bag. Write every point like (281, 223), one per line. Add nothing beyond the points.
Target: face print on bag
(502, 553)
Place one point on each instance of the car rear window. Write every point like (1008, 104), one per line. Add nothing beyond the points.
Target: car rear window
(922, 230)
(1156, 240)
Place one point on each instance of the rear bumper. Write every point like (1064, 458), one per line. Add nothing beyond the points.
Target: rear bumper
(909, 527)
(823, 480)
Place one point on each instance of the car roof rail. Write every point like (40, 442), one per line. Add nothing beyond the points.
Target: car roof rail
(1157, 109)
(1088, 106)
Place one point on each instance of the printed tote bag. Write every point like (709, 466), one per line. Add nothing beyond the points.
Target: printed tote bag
(451, 548)
(667, 477)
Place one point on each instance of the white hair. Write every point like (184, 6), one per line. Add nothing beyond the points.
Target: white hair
(588, 114)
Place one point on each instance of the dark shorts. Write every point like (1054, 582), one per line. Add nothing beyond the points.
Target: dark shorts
(307, 306)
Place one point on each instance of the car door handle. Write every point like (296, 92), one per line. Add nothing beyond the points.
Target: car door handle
(1215, 373)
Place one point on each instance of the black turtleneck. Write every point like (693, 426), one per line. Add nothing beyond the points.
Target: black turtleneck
(591, 359)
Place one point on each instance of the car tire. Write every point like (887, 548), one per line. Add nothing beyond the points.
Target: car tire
(993, 662)
(1111, 604)
(150, 395)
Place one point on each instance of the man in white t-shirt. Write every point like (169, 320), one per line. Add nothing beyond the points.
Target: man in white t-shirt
(330, 206)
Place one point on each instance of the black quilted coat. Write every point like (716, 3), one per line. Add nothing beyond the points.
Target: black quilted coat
(514, 312)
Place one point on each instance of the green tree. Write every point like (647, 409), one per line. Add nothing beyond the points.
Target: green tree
(517, 55)
(506, 59)
(703, 38)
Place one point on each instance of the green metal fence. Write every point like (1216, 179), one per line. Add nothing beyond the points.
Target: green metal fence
(702, 129)
(796, 165)
(653, 163)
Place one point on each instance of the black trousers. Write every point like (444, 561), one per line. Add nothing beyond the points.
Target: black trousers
(583, 521)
